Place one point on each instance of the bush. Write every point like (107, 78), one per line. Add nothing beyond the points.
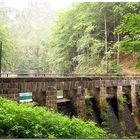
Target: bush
(27, 121)
(115, 68)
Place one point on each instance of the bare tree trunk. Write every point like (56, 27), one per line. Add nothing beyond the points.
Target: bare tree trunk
(118, 51)
(106, 55)
(37, 56)
(0, 57)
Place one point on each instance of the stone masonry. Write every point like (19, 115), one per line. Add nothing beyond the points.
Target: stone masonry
(44, 89)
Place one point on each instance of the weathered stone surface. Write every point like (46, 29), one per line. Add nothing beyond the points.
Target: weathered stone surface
(102, 95)
(44, 90)
(133, 94)
(51, 97)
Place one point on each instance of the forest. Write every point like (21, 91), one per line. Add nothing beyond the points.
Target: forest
(86, 38)
(89, 38)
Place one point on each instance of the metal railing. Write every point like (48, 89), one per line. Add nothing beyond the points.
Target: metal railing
(15, 74)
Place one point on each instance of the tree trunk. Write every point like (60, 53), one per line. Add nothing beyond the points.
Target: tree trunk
(106, 55)
(0, 57)
(118, 51)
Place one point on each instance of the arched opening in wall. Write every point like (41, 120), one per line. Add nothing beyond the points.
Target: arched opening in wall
(64, 104)
(92, 105)
(25, 97)
(96, 110)
(92, 109)
(87, 93)
(127, 110)
(112, 101)
(59, 94)
(127, 101)
(127, 97)
(65, 107)
(110, 118)
(111, 90)
(138, 94)
(138, 99)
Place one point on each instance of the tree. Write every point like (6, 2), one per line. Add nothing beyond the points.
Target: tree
(130, 30)
(29, 29)
(7, 44)
(83, 38)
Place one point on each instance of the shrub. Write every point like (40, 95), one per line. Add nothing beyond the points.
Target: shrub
(115, 68)
(27, 121)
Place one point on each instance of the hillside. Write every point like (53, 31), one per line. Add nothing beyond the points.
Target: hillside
(128, 62)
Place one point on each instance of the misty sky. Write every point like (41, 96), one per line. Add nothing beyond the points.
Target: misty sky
(55, 4)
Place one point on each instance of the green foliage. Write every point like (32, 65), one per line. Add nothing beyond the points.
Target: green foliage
(115, 68)
(73, 42)
(106, 115)
(77, 39)
(7, 44)
(130, 29)
(30, 33)
(76, 43)
(26, 121)
(89, 107)
(120, 104)
(138, 88)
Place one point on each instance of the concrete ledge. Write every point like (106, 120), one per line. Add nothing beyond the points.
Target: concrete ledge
(60, 100)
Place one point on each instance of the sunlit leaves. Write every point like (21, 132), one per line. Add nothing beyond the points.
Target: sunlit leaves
(7, 44)
(27, 121)
(130, 28)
